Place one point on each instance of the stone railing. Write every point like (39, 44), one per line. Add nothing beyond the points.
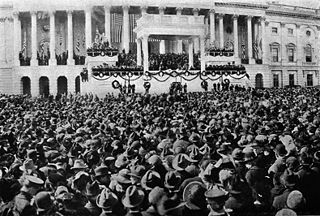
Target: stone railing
(156, 19)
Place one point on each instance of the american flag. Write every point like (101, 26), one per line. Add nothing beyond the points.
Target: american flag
(133, 23)
(116, 26)
(24, 45)
(243, 48)
(78, 46)
(256, 50)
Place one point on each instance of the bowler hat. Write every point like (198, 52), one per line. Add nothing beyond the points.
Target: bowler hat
(133, 197)
(137, 171)
(106, 199)
(79, 165)
(123, 176)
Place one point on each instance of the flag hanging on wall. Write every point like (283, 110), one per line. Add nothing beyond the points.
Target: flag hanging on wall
(24, 45)
(116, 28)
(133, 23)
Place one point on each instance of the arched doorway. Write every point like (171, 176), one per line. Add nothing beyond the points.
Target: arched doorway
(25, 86)
(259, 81)
(77, 84)
(44, 86)
(62, 85)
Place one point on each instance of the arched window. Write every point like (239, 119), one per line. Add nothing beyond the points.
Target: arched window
(275, 50)
(291, 49)
(308, 53)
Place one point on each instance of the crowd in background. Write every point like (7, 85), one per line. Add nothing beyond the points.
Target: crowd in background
(232, 152)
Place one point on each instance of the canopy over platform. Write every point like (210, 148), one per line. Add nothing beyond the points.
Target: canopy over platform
(169, 27)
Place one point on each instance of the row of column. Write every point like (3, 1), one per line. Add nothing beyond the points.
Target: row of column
(235, 33)
(88, 34)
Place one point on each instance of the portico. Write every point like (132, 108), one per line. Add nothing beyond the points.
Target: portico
(172, 28)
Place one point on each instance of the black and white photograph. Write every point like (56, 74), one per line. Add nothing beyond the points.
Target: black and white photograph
(159, 107)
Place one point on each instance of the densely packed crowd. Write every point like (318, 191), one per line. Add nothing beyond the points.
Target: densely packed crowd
(239, 152)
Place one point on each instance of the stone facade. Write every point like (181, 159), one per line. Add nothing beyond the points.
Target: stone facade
(278, 44)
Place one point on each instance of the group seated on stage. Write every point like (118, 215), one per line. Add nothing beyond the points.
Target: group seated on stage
(62, 58)
(102, 49)
(126, 62)
(220, 52)
(172, 61)
(228, 67)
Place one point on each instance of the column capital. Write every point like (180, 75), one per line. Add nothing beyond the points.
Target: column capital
(220, 16)
(282, 24)
(144, 7)
(52, 12)
(235, 16)
(267, 23)
(16, 14)
(161, 8)
(195, 10)
(69, 12)
(125, 7)
(179, 9)
(145, 37)
(318, 28)
(262, 19)
(107, 7)
(212, 11)
(249, 17)
(298, 25)
(33, 13)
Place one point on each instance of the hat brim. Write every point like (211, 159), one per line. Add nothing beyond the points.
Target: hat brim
(111, 205)
(22, 168)
(186, 193)
(126, 202)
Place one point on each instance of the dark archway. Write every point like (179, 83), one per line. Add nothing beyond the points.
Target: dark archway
(259, 81)
(62, 85)
(77, 84)
(44, 86)
(26, 85)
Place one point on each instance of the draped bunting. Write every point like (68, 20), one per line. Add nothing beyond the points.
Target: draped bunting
(163, 76)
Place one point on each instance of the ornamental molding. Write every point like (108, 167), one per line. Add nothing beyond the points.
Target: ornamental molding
(4, 19)
(243, 5)
(294, 15)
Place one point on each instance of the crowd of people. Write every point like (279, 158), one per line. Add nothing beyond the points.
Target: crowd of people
(232, 152)
(172, 61)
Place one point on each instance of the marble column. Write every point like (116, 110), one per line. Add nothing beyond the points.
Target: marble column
(283, 43)
(255, 37)
(298, 45)
(52, 60)
(202, 54)
(190, 53)
(196, 42)
(145, 52)
(263, 39)
(139, 63)
(126, 29)
(162, 47)
(70, 38)
(249, 24)
(212, 26)
(34, 44)
(236, 38)
(88, 27)
(221, 30)
(16, 38)
(161, 10)
(107, 25)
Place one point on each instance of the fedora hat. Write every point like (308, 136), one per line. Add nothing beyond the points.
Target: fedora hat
(123, 176)
(133, 197)
(237, 154)
(172, 180)
(79, 165)
(101, 171)
(167, 205)
(289, 179)
(28, 165)
(193, 195)
(194, 155)
(122, 161)
(92, 189)
(155, 195)
(150, 180)
(106, 199)
(137, 171)
(180, 162)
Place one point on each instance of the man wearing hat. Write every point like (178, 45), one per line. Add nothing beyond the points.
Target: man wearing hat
(92, 191)
(216, 199)
(132, 199)
(30, 187)
(102, 175)
(107, 200)
(44, 204)
(193, 196)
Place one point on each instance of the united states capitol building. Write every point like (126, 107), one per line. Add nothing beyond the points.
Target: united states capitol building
(46, 45)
